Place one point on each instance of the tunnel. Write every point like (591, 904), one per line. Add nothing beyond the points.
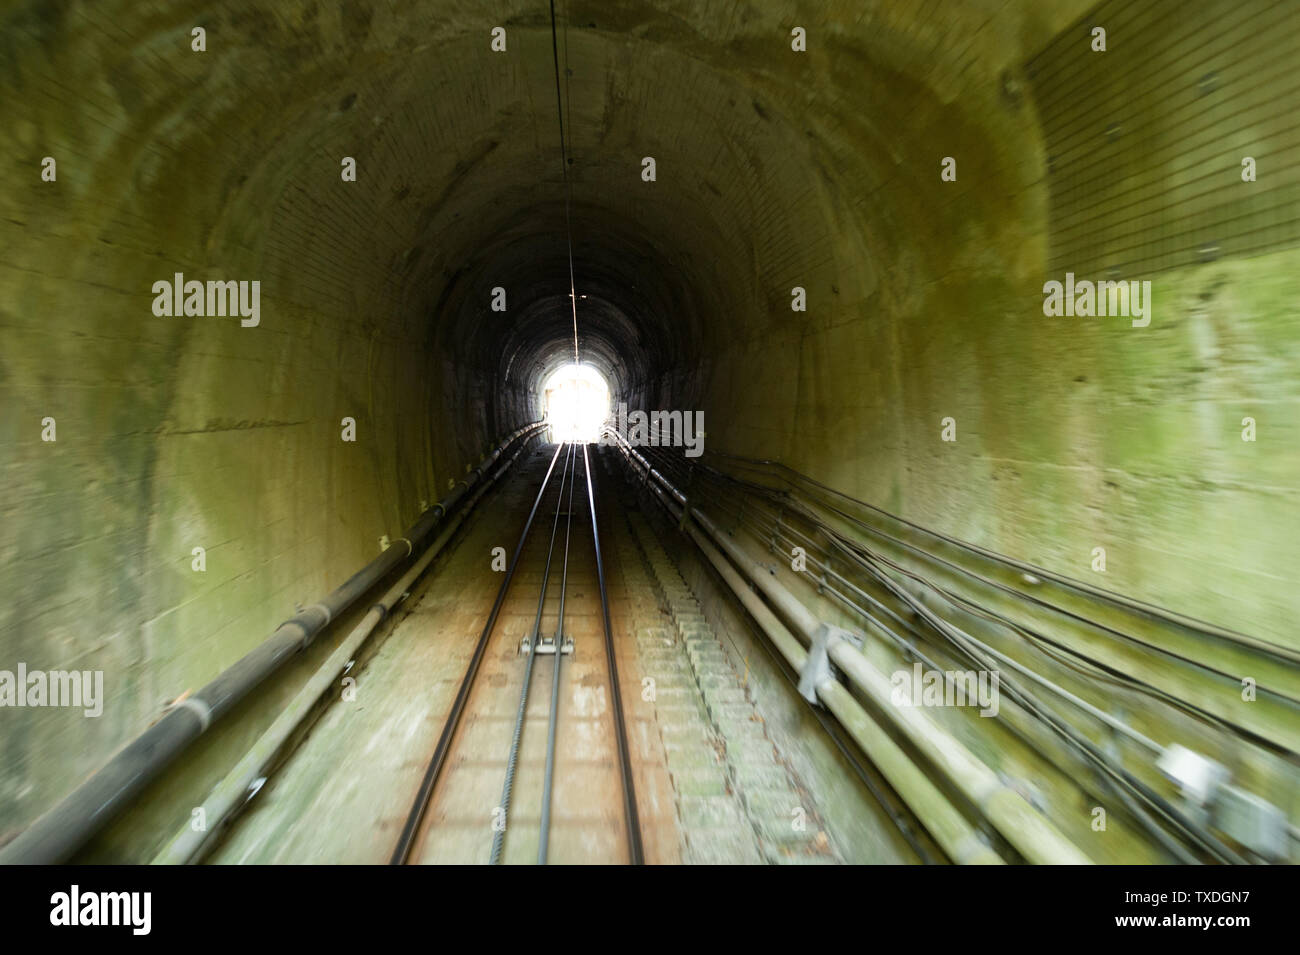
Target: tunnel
(964, 337)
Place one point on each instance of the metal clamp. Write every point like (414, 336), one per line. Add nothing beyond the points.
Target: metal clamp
(546, 646)
(818, 669)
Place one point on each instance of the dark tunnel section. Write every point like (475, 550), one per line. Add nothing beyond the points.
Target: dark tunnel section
(641, 318)
(837, 256)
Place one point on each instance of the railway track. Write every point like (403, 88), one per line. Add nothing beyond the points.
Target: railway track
(521, 771)
(480, 739)
(457, 746)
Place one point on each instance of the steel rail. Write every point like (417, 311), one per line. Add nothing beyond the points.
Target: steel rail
(1024, 827)
(512, 759)
(406, 840)
(228, 799)
(543, 842)
(876, 784)
(906, 826)
(938, 816)
(636, 852)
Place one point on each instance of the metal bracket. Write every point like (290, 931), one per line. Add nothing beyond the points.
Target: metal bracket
(818, 669)
(546, 646)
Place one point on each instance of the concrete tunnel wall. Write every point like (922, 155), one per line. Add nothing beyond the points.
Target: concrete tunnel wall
(775, 169)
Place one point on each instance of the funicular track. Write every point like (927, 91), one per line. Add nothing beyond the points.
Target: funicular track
(552, 602)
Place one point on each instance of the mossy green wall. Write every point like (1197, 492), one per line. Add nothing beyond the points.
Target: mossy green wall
(776, 169)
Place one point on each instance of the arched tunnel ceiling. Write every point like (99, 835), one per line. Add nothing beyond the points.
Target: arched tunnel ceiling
(775, 170)
(772, 167)
(771, 170)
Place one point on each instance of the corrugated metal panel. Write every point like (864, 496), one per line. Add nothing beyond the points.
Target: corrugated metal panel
(1145, 141)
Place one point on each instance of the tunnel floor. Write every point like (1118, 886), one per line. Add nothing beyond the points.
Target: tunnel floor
(712, 783)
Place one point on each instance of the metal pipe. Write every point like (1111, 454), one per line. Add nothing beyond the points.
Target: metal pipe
(949, 828)
(1121, 779)
(778, 531)
(1019, 822)
(1125, 603)
(65, 828)
(189, 845)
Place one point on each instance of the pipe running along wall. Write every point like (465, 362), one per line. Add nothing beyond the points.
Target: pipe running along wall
(66, 827)
(383, 361)
(1022, 825)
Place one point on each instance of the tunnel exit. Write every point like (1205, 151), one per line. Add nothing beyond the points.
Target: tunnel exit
(575, 399)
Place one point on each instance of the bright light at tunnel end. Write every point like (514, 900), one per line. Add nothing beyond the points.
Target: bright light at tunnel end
(576, 402)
